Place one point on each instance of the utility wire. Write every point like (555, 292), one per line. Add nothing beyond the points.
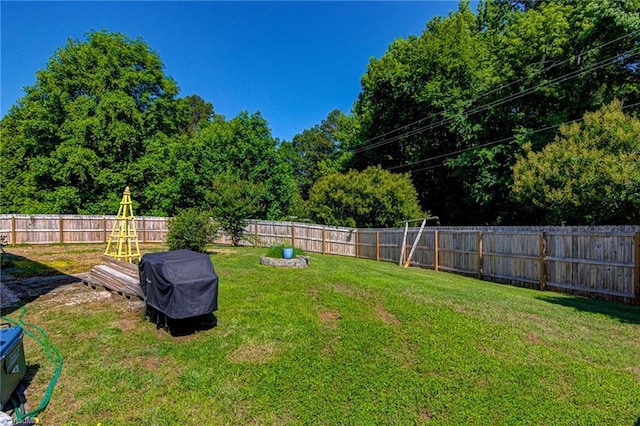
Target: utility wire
(553, 65)
(506, 85)
(484, 145)
(557, 80)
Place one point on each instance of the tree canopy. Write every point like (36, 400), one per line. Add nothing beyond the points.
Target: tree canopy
(103, 115)
(589, 175)
(467, 115)
(371, 198)
(455, 105)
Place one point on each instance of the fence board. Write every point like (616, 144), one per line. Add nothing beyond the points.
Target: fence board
(601, 262)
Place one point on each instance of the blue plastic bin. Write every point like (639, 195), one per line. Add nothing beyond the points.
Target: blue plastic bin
(13, 366)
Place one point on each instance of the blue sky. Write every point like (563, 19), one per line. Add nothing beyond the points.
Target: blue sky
(292, 61)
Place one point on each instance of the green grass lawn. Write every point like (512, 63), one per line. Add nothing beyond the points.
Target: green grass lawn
(346, 341)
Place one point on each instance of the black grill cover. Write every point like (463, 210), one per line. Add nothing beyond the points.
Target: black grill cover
(179, 283)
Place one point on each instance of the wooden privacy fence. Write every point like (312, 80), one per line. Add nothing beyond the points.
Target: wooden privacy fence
(52, 229)
(601, 262)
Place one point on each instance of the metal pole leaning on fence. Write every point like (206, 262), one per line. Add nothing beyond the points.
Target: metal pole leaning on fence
(404, 238)
(415, 244)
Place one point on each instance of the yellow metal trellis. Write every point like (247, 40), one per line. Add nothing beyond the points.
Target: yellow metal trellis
(124, 234)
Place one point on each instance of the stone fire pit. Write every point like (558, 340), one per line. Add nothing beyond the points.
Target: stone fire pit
(296, 262)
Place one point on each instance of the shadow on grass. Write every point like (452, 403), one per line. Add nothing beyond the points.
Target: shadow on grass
(181, 327)
(624, 313)
(18, 400)
(27, 280)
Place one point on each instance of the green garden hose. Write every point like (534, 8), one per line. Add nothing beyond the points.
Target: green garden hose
(52, 353)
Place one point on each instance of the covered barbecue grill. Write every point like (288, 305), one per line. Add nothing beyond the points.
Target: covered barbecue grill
(178, 285)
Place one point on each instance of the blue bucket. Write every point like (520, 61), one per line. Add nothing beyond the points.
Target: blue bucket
(287, 253)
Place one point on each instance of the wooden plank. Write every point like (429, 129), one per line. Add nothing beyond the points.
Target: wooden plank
(480, 255)
(293, 235)
(255, 234)
(454, 269)
(13, 230)
(404, 242)
(589, 289)
(510, 255)
(636, 252)
(377, 246)
(436, 250)
(543, 263)
(589, 262)
(510, 278)
(459, 251)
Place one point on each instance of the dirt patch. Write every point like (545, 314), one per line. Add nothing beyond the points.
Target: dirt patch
(67, 258)
(154, 363)
(253, 353)
(533, 339)
(530, 316)
(127, 324)
(385, 316)
(329, 319)
(425, 416)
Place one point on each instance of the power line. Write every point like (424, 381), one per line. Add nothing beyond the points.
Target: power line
(496, 142)
(365, 147)
(553, 65)
(557, 80)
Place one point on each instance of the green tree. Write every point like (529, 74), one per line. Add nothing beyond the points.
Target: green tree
(589, 175)
(69, 145)
(244, 146)
(412, 104)
(455, 104)
(232, 201)
(191, 229)
(319, 151)
(371, 198)
(194, 113)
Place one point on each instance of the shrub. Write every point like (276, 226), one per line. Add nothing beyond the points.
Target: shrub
(232, 201)
(191, 229)
(589, 175)
(371, 198)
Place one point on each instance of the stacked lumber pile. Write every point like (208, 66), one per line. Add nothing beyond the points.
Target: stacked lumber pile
(117, 276)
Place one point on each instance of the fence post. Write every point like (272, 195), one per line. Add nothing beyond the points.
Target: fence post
(255, 234)
(435, 250)
(13, 230)
(293, 235)
(324, 239)
(378, 246)
(356, 236)
(543, 261)
(60, 230)
(404, 241)
(636, 250)
(144, 230)
(480, 256)
(104, 229)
